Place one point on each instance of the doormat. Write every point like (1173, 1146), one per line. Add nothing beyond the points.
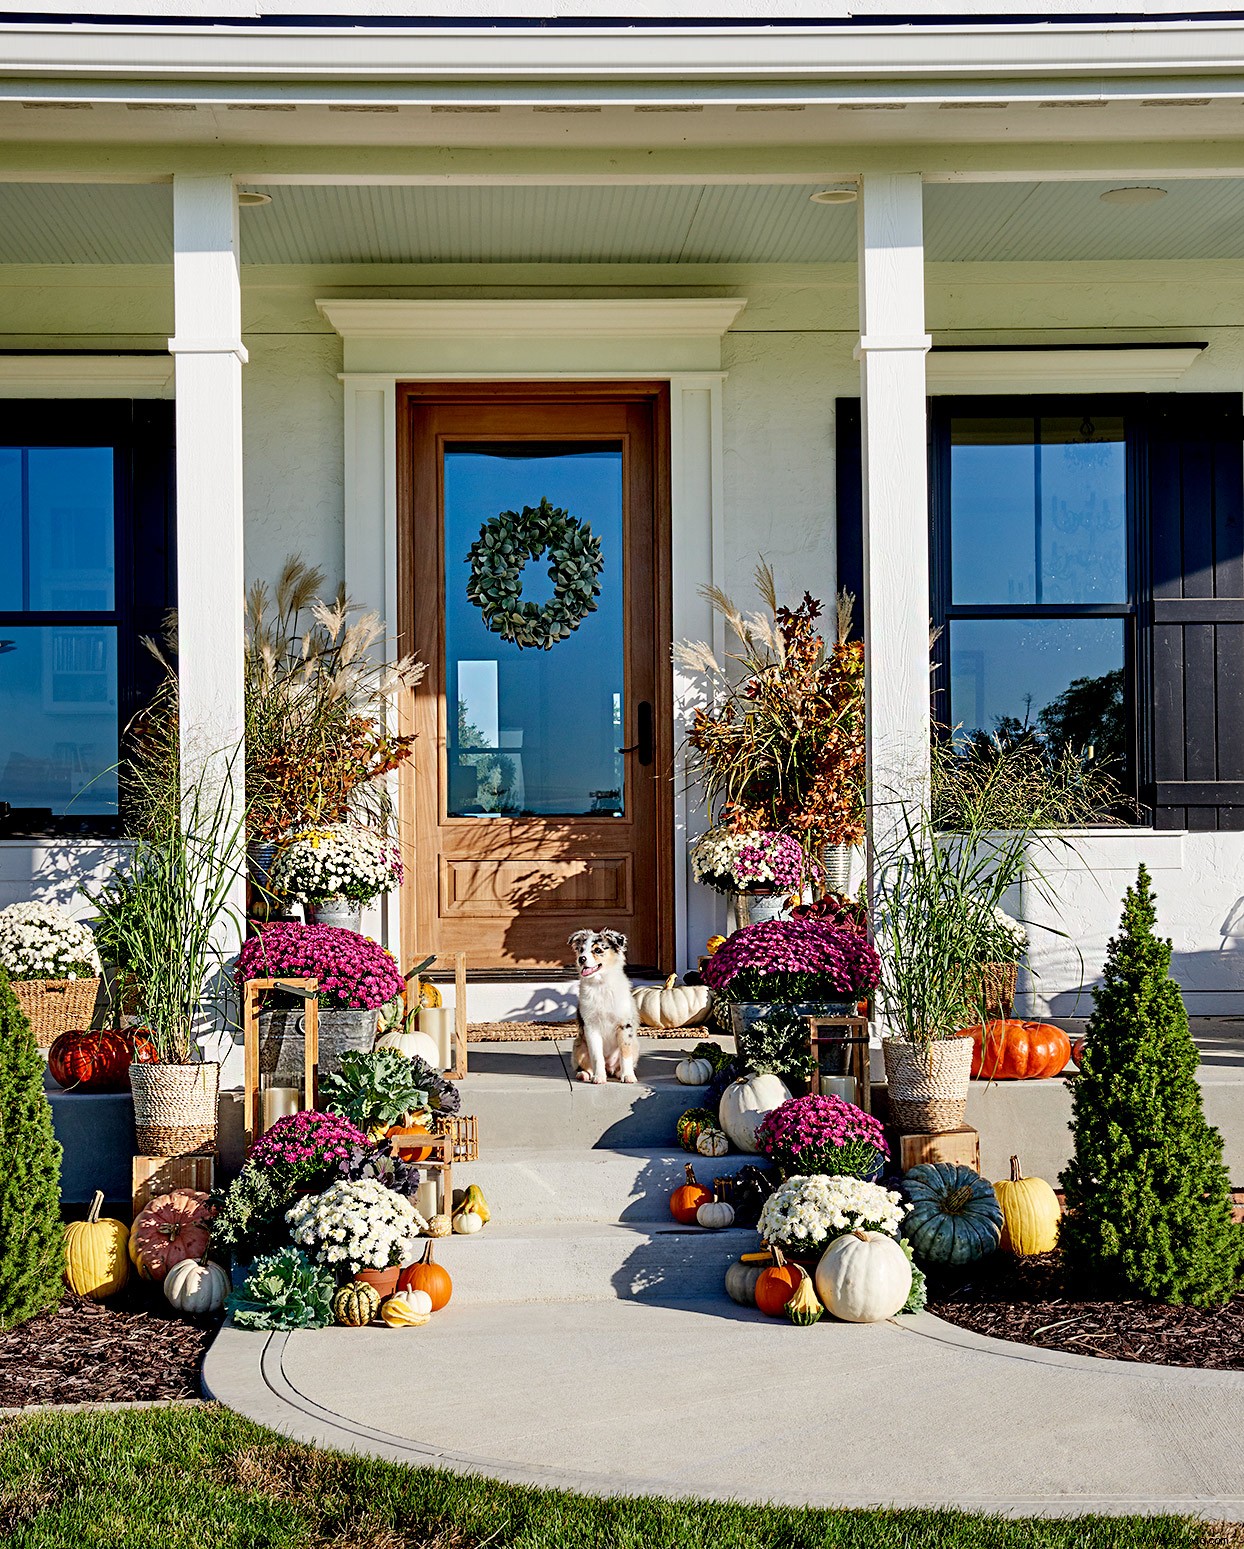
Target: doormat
(547, 1032)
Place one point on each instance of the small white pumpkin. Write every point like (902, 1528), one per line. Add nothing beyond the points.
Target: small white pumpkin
(195, 1288)
(744, 1105)
(418, 1301)
(467, 1222)
(864, 1277)
(694, 1072)
(415, 1046)
(712, 1142)
(715, 1214)
(673, 1004)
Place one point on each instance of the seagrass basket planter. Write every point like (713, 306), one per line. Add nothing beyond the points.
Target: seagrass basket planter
(994, 985)
(175, 1107)
(56, 1006)
(928, 1087)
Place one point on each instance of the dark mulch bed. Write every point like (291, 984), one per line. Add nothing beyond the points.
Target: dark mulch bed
(133, 1346)
(1029, 1301)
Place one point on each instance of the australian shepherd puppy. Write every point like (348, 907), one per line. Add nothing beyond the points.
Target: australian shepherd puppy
(607, 1043)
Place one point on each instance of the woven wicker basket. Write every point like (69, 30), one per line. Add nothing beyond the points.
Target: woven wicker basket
(928, 1088)
(994, 983)
(175, 1107)
(56, 1006)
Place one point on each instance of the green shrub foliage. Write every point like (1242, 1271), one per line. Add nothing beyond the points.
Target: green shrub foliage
(31, 1237)
(1147, 1194)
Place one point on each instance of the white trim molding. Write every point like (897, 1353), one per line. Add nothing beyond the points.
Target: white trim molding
(1140, 368)
(689, 317)
(86, 376)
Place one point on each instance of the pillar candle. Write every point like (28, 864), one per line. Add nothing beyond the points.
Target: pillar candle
(279, 1102)
(438, 1023)
(425, 1196)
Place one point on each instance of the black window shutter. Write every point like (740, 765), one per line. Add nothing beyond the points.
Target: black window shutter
(1195, 478)
(849, 502)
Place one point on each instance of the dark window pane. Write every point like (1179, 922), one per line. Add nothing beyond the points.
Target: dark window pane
(58, 718)
(70, 515)
(1061, 678)
(535, 731)
(10, 528)
(1038, 510)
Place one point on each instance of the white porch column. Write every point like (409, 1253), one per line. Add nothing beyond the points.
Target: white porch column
(208, 349)
(891, 353)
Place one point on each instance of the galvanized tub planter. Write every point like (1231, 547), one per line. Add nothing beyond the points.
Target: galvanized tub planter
(342, 912)
(282, 1033)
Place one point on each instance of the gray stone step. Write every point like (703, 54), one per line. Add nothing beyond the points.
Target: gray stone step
(591, 1261)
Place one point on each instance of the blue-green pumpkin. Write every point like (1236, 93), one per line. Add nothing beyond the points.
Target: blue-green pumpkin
(954, 1215)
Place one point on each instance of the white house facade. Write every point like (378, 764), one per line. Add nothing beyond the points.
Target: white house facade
(947, 310)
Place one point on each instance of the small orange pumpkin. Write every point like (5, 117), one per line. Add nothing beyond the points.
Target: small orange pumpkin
(409, 1153)
(776, 1285)
(685, 1201)
(1011, 1050)
(1077, 1052)
(426, 1274)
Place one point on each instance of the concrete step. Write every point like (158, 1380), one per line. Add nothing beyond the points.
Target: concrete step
(525, 1095)
(547, 1186)
(591, 1261)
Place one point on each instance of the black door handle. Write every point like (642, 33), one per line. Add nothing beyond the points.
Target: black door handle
(644, 729)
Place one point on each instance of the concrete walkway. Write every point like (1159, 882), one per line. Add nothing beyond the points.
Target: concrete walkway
(710, 1400)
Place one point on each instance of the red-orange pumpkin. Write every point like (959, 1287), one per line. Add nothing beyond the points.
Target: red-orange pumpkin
(1017, 1051)
(685, 1201)
(91, 1061)
(1077, 1052)
(143, 1051)
(171, 1228)
(776, 1285)
(426, 1274)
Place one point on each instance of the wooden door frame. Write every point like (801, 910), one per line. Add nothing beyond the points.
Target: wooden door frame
(655, 393)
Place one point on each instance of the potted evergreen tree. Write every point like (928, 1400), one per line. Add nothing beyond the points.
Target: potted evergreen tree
(1148, 1201)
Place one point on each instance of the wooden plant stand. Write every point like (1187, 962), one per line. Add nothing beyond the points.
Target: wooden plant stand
(252, 1095)
(961, 1145)
(155, 1175)
(853, 1031)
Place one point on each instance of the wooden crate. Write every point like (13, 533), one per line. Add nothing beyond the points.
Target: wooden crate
(962, 1145)
(462, 1130)
(155, 1175)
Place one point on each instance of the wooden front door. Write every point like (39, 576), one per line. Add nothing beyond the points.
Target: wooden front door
(541, 797)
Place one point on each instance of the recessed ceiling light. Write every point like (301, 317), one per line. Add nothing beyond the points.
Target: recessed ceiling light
(834, 196)
(250, 196)
(1142, 195)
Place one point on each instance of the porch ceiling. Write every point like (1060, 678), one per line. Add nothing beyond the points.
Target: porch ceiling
(58, 223)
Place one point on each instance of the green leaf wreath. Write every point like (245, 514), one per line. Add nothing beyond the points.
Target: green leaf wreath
(499, 556)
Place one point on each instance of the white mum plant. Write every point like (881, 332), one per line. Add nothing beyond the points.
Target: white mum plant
(1008, 940)
(341, 860)
(357, 1224)
(41, 941)
(806, 1213)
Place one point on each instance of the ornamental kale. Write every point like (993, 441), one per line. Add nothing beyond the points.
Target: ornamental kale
(373, 1088)
(443, 1096)
(378, 1163)
(793, 960)
(284, 1291)
(353, 972)
(821, 1134)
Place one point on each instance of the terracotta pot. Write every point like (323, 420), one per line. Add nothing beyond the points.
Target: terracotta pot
(384, 1281)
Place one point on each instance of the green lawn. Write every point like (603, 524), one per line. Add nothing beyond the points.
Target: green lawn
(203, 1478)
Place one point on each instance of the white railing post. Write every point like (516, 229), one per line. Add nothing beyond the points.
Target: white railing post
(892, 348)
(207, 346)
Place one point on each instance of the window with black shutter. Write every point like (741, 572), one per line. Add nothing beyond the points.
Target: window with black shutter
(1087, 583)
(86, 532)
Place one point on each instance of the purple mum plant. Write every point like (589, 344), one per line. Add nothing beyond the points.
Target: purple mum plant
(306, 1147)
(354, 972)
(792, 961)
(816, 1134)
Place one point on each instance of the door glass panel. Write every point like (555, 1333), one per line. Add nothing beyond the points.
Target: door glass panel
(532, 730)
(1038, 510)
(58, 718)
(1063, 679)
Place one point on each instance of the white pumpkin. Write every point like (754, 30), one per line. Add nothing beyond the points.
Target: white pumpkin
(673, 1004)
(715, 1214)
(864, 1277)
(418, 1301)
(467, 1222)
(415, 1046)
(745, 1103)
(195, 1288)
(694, 1072)
(712, 1142)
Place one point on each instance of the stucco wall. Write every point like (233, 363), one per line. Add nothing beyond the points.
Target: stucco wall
(788, 358)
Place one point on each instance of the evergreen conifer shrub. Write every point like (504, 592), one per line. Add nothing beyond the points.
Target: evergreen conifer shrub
(1147, 1195)
(31, 1236)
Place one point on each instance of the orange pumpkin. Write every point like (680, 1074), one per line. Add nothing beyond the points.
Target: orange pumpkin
(685, 1201)
(409, 1153)
(426, 1275)
(776, 1285)
(1017, 1051)
(1077, 1053)
(171, 1228)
